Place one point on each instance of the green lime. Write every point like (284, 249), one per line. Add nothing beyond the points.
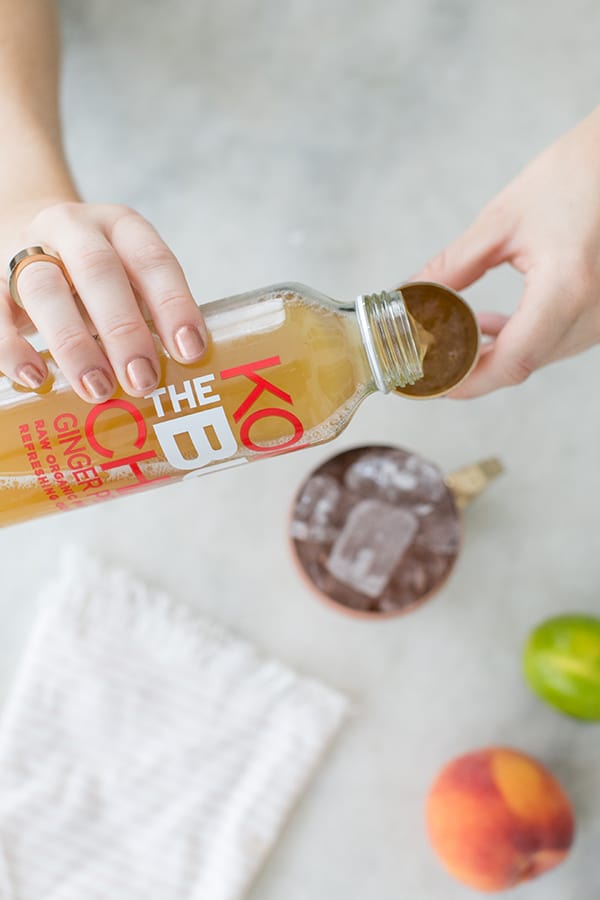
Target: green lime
(562, 664)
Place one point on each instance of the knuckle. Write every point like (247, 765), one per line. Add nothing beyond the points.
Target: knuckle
(168, 300)
(580, 274)
(95, 261)
(574, 277)
(120, 327)
(59, 214)
(437, 265)
(519, 369)
(439, 261)
(495, 210)
(122, 211)
(118, 216)
(126, 225)
(70, 340)
(151, 254)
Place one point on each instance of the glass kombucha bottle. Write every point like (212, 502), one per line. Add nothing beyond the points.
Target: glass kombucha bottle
(286, 368)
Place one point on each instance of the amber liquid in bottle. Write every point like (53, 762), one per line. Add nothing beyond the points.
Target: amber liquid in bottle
(280, 373)
(286, 368)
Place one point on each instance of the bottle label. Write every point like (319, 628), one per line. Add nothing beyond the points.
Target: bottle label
(183, 429)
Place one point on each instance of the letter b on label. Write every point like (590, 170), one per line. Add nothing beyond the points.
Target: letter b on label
(197, 428)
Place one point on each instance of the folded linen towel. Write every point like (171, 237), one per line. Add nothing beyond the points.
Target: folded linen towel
(145, 753)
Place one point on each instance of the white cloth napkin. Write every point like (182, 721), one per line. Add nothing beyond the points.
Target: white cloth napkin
(146, 754)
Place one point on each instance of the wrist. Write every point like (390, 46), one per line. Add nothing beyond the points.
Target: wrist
(39, 178)
(34, 173)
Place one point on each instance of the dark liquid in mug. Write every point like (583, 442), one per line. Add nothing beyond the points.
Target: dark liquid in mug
(375, 529)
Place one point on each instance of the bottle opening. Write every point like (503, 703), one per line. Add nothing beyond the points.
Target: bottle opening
(389, 340)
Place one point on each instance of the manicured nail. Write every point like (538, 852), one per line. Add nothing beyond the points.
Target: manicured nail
(142, 374)
(98, 384)
(189, 342)
(30, 376)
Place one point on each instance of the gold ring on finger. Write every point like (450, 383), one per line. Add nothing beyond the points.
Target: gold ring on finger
(29, 255)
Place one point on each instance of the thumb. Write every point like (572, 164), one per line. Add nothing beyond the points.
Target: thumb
(481, 247)
(532, 337)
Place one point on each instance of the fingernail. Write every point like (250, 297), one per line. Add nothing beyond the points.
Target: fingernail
(98, 384)
(189, 342)
(142, 374)
(30, 376)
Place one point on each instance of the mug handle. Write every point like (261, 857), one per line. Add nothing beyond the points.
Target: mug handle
(468, 482)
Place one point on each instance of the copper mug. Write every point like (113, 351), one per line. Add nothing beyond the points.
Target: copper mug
(377, 530)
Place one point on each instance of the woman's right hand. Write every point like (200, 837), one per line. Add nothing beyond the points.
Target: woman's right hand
(546, 224)
(116, 261)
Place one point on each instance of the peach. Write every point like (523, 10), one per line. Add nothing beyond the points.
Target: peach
(497, 817)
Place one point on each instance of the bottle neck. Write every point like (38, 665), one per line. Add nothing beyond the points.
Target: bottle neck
(389, 340)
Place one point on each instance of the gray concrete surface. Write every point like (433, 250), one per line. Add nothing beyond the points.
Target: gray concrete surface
(341, 144)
